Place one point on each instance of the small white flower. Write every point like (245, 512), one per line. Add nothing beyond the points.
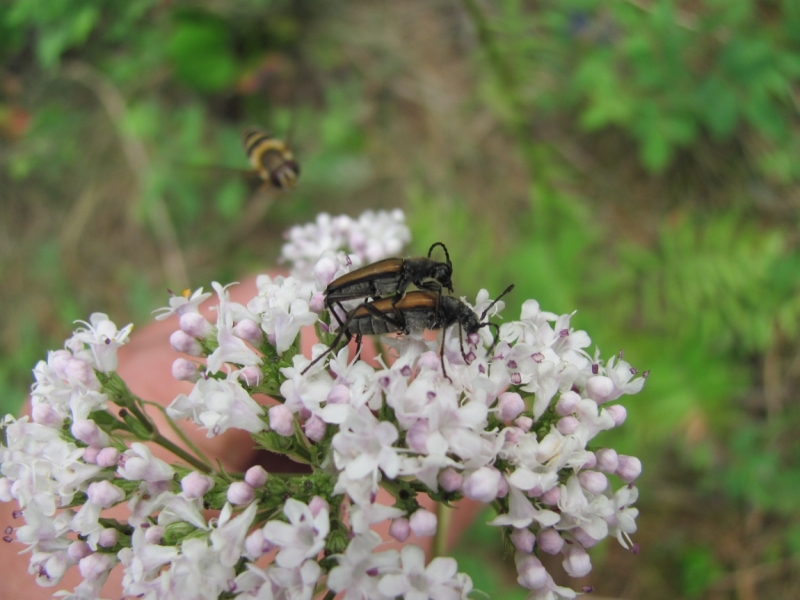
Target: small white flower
(103, 339)
(302, 538)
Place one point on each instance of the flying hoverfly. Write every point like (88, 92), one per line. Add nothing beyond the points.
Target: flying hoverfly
(271, 158)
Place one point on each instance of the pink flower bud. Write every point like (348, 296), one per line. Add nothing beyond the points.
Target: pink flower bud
(524, 423)
(185, 370)
(511, 405)
(629, 468)
(108, 457)
(607, 460)
(550, 541)
(593, 481)
(108, 538)
(339, 394)
(567, 425)
(583, 538)
(599, 388)
(154, 535)
(325, 271)
(482, 485)
(104, 493)
(256, 544)
(78, 550)
(249, 331)
(423, 523)
(317, 505)
(450, 480)
(511, 435)
(196, 485)
(567, 403)
(58, 359)
(89, 433)
(251, 375)
(429, 361)
(240, 492)
(80, 370)
(523, 540)
(576, 561)
(94, 566)
(618, 413)
(255, 476)
(195, 325)
(532, 574)
(315, 428)
(43, 414)
(400, 529)
(317, 302)
(281, 420)
(551, 496)
(90, 454)
(183, 342)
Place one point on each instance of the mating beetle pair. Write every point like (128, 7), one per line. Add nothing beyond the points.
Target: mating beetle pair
(392, 309)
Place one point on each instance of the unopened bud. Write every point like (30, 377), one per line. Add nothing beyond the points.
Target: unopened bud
(599, 388)
(567, 425)
(315, 428)
(550, 541)
(429, 361)
(256, 544)
(89, 433)
(451, 480)
(523, 540)
(423, 523)
(317, 505)
(240, 492)
(317, 302)
(551, 496)
(567, 403)
(524, 423)
(183, 342)
(78, 550)
(618, 413)
(155, 534)
(400, 529)
(82, 371)
(629, 468)
(108, 457)
(607, 460)
(196, 485)
(511, 405)
(195, 325)
(576, 561)
(104, 493)
(532, 575)
(90, 454)
(482, 485)
(593, 481)
(583, 538)
(185, 370)
(281, 420)
(249, 331)
(108, 538)
(255, 476)
(97, 564)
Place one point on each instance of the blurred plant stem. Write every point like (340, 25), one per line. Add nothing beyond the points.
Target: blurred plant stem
(172, 261)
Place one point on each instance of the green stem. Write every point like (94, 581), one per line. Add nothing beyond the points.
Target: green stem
(181, 434)
(444, 514)
(181, 453)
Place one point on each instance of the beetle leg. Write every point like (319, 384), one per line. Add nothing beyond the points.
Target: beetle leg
(358, 346)
(441, 352)
(398, 321)
(339, 335)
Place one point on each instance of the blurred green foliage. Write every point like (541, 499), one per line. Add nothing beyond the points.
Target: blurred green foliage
(672, 227)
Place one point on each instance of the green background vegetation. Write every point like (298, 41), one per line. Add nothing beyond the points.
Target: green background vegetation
(638, 160)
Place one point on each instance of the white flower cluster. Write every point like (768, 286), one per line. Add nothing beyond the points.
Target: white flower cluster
(371, 237)
(511, 425)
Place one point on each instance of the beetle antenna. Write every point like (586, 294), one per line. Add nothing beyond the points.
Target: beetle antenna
(496, 300)
(446, 253)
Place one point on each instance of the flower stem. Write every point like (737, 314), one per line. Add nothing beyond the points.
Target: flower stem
(180, 452)
(174, 426)
(444, 516)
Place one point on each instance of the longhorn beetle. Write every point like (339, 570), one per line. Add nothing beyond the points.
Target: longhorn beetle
(390, 276)
(416, 311)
